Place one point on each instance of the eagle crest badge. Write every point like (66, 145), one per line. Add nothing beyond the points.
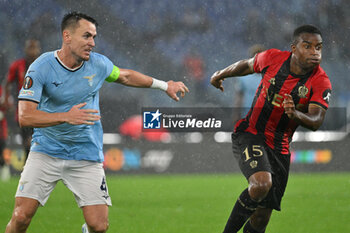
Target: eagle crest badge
(302, 91)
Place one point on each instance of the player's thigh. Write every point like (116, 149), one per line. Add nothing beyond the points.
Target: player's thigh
(88, 183)
(39, 177)
(95, 214)
(251, 153)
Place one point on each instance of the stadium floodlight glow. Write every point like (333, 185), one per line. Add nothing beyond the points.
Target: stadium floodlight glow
(324, 136)
(111, 138)
(195, 137)
(222, 137)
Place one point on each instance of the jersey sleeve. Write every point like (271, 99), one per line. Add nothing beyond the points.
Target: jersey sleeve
(321, 92)
(32, 86)
(107, 66)
(264, 59)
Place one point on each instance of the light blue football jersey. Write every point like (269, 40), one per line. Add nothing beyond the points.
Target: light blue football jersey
(56, 88)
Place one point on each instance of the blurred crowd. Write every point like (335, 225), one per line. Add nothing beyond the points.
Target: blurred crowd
(181, 40)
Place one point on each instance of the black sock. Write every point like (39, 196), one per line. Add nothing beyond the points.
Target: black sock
(242, 210)
(249, 229)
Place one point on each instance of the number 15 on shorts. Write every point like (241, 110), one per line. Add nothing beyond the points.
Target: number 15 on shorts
(252, 151)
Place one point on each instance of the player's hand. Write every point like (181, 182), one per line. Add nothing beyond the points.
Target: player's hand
(174, 88)
(216, 81)
(78, 116)
(289, 106)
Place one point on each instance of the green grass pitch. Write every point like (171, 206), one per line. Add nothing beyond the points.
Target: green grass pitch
(313, 203)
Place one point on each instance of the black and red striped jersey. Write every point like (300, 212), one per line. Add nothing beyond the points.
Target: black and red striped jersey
(266, 116)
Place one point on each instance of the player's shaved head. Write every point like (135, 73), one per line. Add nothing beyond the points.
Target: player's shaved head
(71, 20)
(304, 29)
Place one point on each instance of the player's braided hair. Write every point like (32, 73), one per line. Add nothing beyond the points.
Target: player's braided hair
(71, 19)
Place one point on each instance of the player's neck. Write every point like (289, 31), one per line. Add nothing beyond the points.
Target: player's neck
(68, 59)
(297, 68)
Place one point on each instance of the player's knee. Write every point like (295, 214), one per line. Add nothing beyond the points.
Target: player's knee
(21, 219)
(98, 226)
(259, 190)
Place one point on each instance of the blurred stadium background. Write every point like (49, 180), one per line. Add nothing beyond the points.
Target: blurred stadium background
(188, 41)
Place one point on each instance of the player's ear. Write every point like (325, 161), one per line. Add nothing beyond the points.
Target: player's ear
(293, 47)
(66, 36)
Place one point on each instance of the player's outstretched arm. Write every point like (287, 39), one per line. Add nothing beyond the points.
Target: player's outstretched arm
(240, 68)
(30, 116)
(312, 120)
(136, 79)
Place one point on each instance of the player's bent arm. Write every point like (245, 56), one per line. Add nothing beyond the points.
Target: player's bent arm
(30, 116)
(240, 68)
(313, 119)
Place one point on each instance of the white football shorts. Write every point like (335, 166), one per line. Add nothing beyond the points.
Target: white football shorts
(86, 179)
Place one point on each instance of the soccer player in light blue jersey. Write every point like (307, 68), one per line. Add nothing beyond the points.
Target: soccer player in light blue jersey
(59, 98)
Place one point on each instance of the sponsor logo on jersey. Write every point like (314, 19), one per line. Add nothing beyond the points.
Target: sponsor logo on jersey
(57, 83)
(327, 95)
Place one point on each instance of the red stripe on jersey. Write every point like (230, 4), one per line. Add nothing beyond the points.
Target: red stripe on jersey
(17, 72)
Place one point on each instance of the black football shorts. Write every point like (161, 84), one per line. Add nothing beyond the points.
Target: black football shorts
(253, 155)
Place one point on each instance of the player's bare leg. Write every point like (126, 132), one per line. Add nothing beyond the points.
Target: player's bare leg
(22, 215)
(96, 217)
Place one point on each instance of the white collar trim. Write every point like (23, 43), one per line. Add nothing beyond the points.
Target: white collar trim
(59, 60)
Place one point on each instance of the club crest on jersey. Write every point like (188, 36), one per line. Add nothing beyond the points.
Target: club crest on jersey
(272, 81)
(253, 164)
(90, 79)
(302, 91)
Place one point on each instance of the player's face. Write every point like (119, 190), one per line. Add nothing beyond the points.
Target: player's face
(32, 49)
(83, 39)
(308, 50)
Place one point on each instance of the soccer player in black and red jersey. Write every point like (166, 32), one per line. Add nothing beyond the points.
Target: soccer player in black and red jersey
(294, 91)
(15, 74)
